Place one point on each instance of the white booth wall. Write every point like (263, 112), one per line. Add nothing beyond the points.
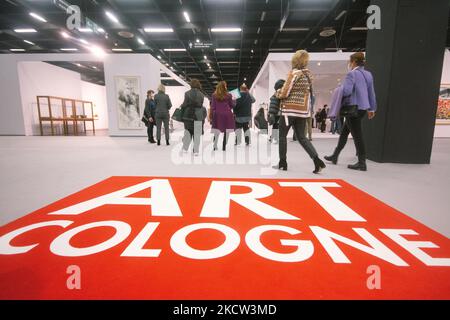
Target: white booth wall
(14, 117)
(57, 82)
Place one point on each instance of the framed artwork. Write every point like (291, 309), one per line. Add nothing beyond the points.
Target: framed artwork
(128, 102)
(443, 109)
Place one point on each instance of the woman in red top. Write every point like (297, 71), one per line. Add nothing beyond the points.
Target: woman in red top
(222, 104)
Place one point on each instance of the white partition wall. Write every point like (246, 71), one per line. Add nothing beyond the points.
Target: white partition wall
(14, 119)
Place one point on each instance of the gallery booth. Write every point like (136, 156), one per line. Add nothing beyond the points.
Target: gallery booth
(38, 96)
(329, 70)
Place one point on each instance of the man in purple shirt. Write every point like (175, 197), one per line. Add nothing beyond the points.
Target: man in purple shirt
(357, 90)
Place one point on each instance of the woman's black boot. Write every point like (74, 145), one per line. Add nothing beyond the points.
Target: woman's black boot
(281, 166)
(333, 158)
(318, 165)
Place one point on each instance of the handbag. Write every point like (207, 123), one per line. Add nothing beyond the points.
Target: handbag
(145, 121)
(349, 111)
(178, 115)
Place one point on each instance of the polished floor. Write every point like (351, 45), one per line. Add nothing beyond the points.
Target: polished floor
(36, 171)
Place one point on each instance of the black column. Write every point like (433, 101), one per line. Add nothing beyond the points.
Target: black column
(406, 57)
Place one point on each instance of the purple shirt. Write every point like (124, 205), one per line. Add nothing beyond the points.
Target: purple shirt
(358, 90)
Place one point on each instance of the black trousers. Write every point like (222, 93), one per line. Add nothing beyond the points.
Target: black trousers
(298, 125)
(353, 126)
(245, 127)
(150, 127)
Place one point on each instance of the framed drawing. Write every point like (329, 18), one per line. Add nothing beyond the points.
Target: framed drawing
(443, 109)
(128, 102)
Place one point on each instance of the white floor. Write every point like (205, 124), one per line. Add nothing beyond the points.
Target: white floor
(36, 171)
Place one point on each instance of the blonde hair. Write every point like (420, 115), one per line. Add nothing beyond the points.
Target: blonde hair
(221, 91)
(300, 59)
(161, 88)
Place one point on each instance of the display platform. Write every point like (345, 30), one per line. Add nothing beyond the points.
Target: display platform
(216, 238)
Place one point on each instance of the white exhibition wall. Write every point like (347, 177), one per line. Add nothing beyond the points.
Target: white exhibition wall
(14, 116)
(58, 82)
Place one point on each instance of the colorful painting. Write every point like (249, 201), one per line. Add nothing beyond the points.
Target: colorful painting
(443, 109)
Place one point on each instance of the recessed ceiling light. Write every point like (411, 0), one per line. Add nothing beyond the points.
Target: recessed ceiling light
(112, 17)
(78, 64)
(29, 42)
(175, 50)
(314, 41)
(186, 16)
(141, 41)
(252, 51)
(206, 58)
(157, 30)
(38, 17)
(226, 49)
(159, 57)
(197, 40)
(97, 51)
(65, 34)
(83, 41)
(122, 49)
(85, 30)
(94, 67)
(25, 30)
(101, 30)
(226, 30)
(68, 49)
(17, 50)
(318, 63)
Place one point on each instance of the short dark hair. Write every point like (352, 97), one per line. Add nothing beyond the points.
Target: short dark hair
(358, 58)
(195, 84)
(150, 92)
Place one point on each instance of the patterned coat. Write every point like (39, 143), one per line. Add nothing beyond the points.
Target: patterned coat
(296, 94)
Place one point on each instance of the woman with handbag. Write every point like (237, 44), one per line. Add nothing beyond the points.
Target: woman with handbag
(193, 116)
(296, 107)
(222, 104)
(358, 100)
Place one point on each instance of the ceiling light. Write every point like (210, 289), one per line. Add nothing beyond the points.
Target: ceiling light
(226, 49)
(245, 79)
(68, 49)
(112, 17)
(318, 63)
(359, 29)
(259, 30)
(97, 51)
(38, 17)
(226, 30)
(94, 67)
(206, 58)
(155, 30)
(83, 41)
(252, 51)
(263, 16)
(175, 50)
(186, 16)
(294, 29)
(29, 42)
(122, 49)
(280, 49)
(314, 41)
(340, 15)
(78, 64)
(159, 57)
(85, 30)
(197, 40)
(141, 41)
(101, 30)
(17, 50)
(25, 30)
(65, 34)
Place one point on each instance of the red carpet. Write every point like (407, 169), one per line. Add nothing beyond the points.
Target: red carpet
(183, 238)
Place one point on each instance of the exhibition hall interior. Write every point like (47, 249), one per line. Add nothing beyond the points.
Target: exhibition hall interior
(146, 150)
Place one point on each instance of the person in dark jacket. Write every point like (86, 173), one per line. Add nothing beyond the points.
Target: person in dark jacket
(162, 107)
(193, 116)
(149, 114)
(274, 110)
(243, 115)
(323, 119)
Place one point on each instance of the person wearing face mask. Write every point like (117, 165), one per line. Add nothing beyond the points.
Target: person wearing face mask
(358, 100)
